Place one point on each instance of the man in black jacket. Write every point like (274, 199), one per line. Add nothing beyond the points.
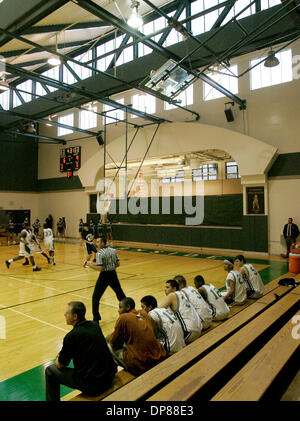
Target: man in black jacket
(94, 367)
(290, 232)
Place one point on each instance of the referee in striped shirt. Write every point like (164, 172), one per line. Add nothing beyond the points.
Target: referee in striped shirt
(107, 261)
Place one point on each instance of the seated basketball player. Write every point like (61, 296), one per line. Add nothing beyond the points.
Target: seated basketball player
(166, 325)
(133, 343)
(190, 321)
(94, 368)
(196, 299)
(213, 297)
(254, 283)
(236, 291)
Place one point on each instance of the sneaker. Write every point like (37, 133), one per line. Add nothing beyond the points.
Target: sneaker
(7, 263)
(25, 263)
(54, 263)
(36, 269)
(49, 261)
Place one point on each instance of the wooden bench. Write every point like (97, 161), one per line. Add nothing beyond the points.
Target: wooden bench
(173, 366)
(190, 383)
(122, 377)
(159, 372)
(252, 382)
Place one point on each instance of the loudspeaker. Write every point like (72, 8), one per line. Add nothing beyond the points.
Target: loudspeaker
(229, 114)
(100, 139)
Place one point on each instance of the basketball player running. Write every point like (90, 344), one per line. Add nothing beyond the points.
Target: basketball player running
(88, 237)
(165, 324)
(25, 249)
(187, 315)
(47, 236)
(254, 283)
(107, 261)
(213, 297)
(37, 248)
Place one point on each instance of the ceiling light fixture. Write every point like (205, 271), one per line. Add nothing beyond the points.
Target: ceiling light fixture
(4, 86)
(54, 60)
(135, 20)
(271, 60)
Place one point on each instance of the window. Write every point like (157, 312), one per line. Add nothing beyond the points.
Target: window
(261, 76)
(145, 103)
(265, 4)
(88, 118)
(67, 119)
(25, 86)
(186, 97)
(179, 178)
(238, 7)
(52, 74)
(125, 56)
(229, 82)
(39, 90)
(232, 170)
(206, 172)
(82, 72)
(117, 113)
(174, 36)
(4, 100)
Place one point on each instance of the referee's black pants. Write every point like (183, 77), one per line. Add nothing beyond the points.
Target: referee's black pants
(105, 279)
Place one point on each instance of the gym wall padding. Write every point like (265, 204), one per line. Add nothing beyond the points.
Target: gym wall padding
(226, 210)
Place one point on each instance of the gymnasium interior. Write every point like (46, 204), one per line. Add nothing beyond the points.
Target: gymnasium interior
(182, 127)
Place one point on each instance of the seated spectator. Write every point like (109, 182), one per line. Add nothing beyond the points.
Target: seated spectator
(236, 291)
(254, 283)
(199, 304)
(213, 297)
(166, 325)
(94, 368)
(187, 315)
(142, 350)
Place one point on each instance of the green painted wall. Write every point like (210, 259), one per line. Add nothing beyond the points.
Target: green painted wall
(18, 163)
(286, 164)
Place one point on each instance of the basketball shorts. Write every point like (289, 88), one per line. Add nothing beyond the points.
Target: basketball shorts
(49, 245)
(90, 248)
(23, 252)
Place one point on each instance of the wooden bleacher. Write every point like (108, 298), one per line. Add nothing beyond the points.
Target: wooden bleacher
(197, 367)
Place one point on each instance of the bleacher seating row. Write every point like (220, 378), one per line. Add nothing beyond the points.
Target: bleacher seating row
(236, 359)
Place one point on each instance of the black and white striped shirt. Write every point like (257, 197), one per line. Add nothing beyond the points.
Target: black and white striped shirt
(108, 258)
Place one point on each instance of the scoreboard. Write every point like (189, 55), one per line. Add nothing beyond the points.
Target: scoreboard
(70, 160)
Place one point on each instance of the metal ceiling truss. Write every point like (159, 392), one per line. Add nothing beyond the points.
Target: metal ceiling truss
(118, 23)
(141, 38)
(35, 12)
(93, 69)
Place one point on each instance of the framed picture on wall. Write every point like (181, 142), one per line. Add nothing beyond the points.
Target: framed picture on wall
(255, 200)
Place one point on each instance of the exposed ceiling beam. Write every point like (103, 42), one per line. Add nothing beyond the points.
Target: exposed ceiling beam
(41, 120)
(42, 29)
(19, 15)
(36, 136)
(118, 23)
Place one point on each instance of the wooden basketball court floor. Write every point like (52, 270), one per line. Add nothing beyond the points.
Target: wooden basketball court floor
(32, 304)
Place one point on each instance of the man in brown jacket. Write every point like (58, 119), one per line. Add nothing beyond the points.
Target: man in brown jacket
(133, 343)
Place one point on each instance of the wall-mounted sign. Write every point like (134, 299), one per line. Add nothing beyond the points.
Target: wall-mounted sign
(255, 200)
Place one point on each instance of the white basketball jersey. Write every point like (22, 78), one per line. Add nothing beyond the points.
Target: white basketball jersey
(170, 330)
(240, 290)
(48, 234)
(219, 308)
(188, 317)
(254, 281)
(199, 304)
(28, 238)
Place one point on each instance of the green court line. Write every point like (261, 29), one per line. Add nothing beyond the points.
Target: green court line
(30, 385)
